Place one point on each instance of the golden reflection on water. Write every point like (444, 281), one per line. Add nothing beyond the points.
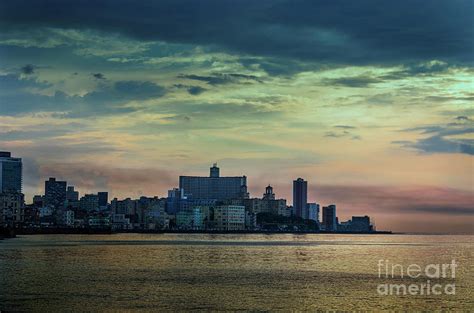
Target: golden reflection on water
(168, 272)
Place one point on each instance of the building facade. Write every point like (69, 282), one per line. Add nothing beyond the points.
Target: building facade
(10, 173)
(11, 208)
(55, 192)
(229, 217)
(329, 218)
(214, 187)
(313, 211)
(300, 198)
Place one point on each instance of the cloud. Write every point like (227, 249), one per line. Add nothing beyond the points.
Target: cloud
(345, 127)
(196, 90)
(28, 69)
(354, 82)
(192, 90)
(398, 200)
(344, 133)
(221, 79)
(17, 97)
(308, 30)
(449, 138)
(98, 75)
(119, 181)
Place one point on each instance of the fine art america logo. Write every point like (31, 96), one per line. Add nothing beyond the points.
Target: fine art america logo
(431, 279)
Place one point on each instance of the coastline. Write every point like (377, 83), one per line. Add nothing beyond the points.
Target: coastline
(93, 231)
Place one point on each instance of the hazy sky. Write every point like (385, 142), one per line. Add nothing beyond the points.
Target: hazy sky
(370, 101)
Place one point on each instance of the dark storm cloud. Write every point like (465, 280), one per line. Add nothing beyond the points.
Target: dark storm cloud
(373, 31)
(108, 99)
(98, 75)
(355, 82)
(442, 139)
(196, 90)
(28, 69)
(192, 90)
(221, 79)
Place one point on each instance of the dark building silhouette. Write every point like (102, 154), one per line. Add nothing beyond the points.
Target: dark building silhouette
(214, 187)
(71, 194)
(300, 197)
(269, 195)
(103, 198)
(54, 192)
(329, 218)
(10, 173)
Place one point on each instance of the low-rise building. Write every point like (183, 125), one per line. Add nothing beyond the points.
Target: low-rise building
(229, 217)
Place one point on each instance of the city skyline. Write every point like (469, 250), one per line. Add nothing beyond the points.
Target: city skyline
(124, 96)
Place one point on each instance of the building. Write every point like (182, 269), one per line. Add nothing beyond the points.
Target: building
(313, 211)
(329, 218)
(229, 217)
(175, 201)
(300, 197)
(214, 187)
(10, 173)
(190, 219)
(358, 224)
(89, 202)
(54, 192)
(268, 195)
(38, 201)
(11, 208)
(71, 194)
(125, 206)
(103, 199)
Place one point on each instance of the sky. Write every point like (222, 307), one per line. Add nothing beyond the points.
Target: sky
(370, 101)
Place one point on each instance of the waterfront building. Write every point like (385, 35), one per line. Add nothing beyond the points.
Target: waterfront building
(103, 197)
(190, 219)
(300, 197)
(38, 201)
(125, 206)
(214, 187)
(268, 204)
(229, 217)
(10, 173)
(55, 192)
(71, 194)
(11, 208)
(358, 224)
(313, 211)
(268, 195)
(329, 218)
(89, 202)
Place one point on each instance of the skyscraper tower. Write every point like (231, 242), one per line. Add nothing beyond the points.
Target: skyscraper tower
(300, 197)
(10, 173)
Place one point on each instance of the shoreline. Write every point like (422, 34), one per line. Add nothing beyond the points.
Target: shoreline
(92, 231)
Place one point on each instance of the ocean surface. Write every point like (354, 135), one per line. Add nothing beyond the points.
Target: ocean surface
(170, 272)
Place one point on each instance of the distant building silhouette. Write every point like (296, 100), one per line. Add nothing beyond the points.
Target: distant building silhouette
(269, 195)
(300, 197)
(214, 187)
(54, 192)
(313, 211)
(329, 218)
(10, 173)
(103, 198)
(71, 194)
